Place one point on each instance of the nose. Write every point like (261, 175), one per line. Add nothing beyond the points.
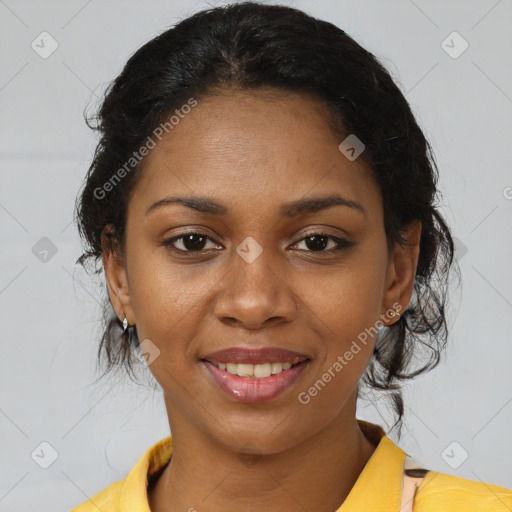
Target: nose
(255, 293)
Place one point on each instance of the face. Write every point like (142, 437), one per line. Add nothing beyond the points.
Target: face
(254, 271)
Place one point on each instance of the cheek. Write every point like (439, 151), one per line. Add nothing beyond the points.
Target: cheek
(350, 331)
(166, 304)
(350, 312)
(164, 293)
(352, 297)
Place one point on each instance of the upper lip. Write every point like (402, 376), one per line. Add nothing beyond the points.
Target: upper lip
(242, 355)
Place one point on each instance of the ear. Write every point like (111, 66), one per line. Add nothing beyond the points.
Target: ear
(115, 273)
(401, 274)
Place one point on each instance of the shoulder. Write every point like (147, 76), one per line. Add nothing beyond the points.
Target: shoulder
(441, 492)
(108, 499)
(131, 492)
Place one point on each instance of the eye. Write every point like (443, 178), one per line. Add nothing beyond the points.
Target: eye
(192, 242)
(317, 242)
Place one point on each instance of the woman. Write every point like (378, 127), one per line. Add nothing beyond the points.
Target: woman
(262, 200)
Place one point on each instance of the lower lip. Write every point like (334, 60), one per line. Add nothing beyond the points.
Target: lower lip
(247, 390)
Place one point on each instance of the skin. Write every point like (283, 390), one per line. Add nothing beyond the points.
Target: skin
(253, 152)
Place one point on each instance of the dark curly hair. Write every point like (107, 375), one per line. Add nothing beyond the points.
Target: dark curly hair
(251, 46)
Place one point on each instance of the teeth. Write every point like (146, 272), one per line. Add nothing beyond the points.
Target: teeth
(232, 368)
(277, 368)
(259, 371)
(245, 370)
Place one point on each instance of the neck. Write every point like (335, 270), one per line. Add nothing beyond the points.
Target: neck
(317, 474)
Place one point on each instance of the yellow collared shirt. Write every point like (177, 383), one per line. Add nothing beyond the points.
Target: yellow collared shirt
(378, 488)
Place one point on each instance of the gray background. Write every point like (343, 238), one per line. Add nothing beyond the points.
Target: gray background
(49, 310)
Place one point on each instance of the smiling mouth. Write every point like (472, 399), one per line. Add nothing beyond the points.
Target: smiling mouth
(268, 375)
(257, 371)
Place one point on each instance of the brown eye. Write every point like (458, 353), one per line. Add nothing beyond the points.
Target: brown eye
(192, 242)
(318, 242)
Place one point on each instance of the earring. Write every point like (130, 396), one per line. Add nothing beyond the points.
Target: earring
(394, 313)
(125, 324)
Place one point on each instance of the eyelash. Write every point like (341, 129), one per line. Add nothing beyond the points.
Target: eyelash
(340, 242)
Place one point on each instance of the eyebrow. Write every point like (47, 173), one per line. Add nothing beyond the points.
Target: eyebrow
(292, 209)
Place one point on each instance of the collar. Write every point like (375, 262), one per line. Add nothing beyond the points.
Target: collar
(381, 477)
(379, 486)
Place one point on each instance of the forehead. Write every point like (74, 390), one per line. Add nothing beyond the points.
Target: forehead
(244, 146)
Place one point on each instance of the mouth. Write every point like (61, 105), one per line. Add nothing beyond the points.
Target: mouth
(256, 371)
(255, 375)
